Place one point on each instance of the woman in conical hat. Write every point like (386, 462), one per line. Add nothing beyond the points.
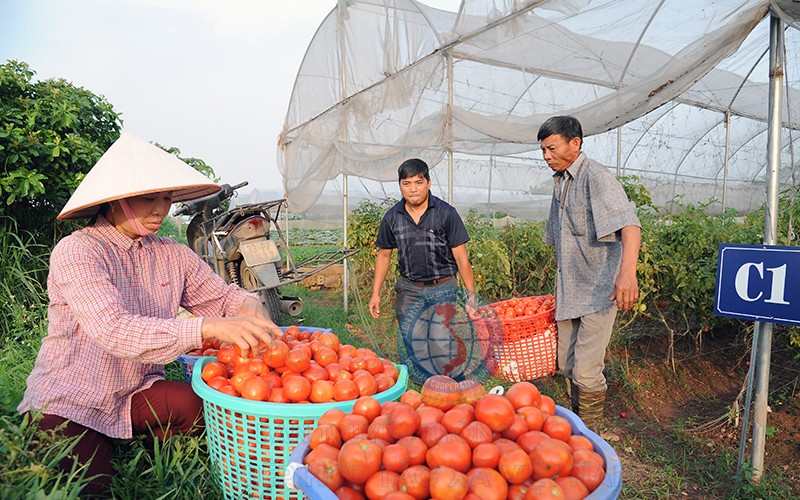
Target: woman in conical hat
(114, 290)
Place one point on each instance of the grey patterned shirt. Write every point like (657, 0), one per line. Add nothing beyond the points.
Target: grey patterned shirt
(587, 213)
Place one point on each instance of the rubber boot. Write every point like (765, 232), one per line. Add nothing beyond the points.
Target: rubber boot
(572, 394)
(590, 407)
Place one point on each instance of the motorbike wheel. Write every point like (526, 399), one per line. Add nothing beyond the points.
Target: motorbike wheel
(272, 301)
(270, 297)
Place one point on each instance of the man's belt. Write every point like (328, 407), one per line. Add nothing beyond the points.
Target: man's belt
(431, 282)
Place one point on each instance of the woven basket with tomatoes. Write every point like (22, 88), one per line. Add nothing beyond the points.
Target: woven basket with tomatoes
(518, 337)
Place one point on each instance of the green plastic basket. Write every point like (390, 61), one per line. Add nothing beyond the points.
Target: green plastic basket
(250, 442)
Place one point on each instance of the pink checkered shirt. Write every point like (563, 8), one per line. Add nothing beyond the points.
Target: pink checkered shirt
(112, 324)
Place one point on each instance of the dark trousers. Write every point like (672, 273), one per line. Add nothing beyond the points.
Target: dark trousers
(431, 341)
(165, 409)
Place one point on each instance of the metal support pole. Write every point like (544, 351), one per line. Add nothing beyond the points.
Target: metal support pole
(450, 127)
(770, 238)
(343, 89)
(727, 157)
(619, 151)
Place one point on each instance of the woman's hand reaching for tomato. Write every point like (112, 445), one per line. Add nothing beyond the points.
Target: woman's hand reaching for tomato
(247, 330)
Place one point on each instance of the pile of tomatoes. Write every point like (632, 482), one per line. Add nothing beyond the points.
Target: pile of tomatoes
(299, 366)
(518, 307)
(511, 446)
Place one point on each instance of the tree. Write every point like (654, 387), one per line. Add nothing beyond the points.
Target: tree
(51, 134)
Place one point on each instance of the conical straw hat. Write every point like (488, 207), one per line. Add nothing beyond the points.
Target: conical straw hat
(132, 167)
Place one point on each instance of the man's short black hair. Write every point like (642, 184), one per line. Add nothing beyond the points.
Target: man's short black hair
(412, 168)
(565, 126)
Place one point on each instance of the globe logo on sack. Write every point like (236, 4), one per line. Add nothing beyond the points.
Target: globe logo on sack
(441, 335)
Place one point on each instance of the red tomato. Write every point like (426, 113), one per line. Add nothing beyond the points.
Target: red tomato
(379, 429)
(588, 455)
(395, 458)
(416, 482)
(431, 433)
(298, 360)
(217, 382)
(458, 418)
(359, 460)
(332, 416)
(590, 473)
(533, 417)
(277, 354)
(383, 382)
(325, 356)
(328, 472)
(238, 379)
(344, 390)
(352, 425)
(495, 411)
(476, 433)
(551, 458)
(255, 388)
(329, 339)
(530, 439)
(258, 366)
(296, 388)
(518, 428)
(486, 455)
(348, 493)
(323, 450)
(381, 484)
(366, 383)
(403, 421)
(523, 394)
(487, 484)
(580, 442)
(367, 406)
(447, 483)
(453, 451)
(213, 369)
(506, 445)
(515, 466)
(276, 396)
(573, 487)
(547, 405)
(416, 447)
(557, 427)
(428, 414)
(325, 433)
(321, 391)
(545, 489)
(315, 372)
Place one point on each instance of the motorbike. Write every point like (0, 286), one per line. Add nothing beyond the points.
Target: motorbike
(245, 246)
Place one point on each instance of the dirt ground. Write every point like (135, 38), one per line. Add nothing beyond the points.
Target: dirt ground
(697, 396)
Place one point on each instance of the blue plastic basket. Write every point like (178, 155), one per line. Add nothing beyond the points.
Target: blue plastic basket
(609, 489)
(250, 442)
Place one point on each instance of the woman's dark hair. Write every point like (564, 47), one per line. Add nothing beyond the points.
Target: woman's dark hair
(413, 168)
(565, 126)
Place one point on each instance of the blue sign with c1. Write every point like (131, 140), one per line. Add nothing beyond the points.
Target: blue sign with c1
(758, 282)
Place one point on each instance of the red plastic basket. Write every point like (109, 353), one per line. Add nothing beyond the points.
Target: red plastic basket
(519, 349)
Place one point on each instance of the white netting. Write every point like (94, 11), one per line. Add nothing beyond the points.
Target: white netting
(665, 91)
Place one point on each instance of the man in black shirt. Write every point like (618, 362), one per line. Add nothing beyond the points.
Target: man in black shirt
(431, 247)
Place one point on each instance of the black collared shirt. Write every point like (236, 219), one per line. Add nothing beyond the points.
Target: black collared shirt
(424, 250)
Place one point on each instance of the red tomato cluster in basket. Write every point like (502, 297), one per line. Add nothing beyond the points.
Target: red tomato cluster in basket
(511, 446)
(300, 367)
(518, 307)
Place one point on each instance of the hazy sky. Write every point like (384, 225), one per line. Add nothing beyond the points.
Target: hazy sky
(210, 77)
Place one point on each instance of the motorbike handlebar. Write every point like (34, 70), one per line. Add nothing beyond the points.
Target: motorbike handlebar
(188, 208)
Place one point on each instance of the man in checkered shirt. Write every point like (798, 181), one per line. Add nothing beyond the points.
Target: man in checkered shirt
(597, 236)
